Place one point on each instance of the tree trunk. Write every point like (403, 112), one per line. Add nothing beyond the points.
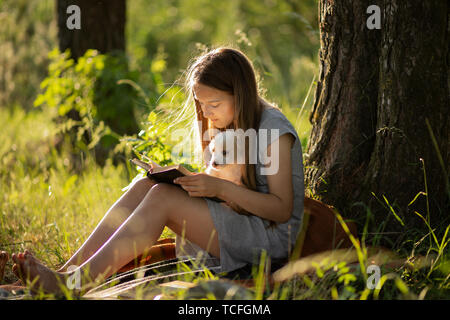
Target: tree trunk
(376, 90)
(102, 26)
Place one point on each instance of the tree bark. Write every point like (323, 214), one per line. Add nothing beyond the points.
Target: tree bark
(102, 26)
(103, 29)
(375, 92)
(345, 108)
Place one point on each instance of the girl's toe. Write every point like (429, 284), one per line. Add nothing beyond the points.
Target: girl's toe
(19, 271)
(15, 269)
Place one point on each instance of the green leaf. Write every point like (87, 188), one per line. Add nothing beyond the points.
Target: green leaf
(39, 100)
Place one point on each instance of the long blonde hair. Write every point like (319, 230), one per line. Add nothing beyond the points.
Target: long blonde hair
(229, 70)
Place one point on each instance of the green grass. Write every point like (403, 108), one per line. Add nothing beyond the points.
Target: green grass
(45, 205)
(48, 206)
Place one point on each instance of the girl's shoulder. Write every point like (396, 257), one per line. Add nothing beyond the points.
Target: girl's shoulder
(273, 118)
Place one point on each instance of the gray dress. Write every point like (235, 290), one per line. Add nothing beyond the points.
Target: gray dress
(242, 238)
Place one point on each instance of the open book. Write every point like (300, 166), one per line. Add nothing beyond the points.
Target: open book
(165, 174)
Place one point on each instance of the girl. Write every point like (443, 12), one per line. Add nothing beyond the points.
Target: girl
(223, 86)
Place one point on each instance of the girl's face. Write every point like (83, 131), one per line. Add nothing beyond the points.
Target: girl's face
(216, 105)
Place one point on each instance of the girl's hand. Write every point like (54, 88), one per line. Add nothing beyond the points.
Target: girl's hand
(200, 185)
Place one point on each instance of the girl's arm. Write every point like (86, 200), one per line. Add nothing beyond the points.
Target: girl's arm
(275, 205)
(278, 203)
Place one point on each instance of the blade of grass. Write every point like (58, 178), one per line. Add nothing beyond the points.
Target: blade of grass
(393, 211)
(441, 161)
(360, 253)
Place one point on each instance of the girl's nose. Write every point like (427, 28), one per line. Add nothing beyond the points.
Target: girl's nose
(207, 113)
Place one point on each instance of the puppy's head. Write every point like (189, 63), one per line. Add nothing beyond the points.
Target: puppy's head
(225, 149)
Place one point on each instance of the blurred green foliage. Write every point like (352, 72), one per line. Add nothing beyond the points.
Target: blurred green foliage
(27, 33)
(157, 144)
(100, 88)
(152, 142)
(90, 87)
(280, 37)
(100, 109)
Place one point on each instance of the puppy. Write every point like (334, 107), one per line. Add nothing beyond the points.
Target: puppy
(225, 149)
(225, 152)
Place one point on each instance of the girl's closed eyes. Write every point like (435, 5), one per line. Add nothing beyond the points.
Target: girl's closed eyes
(216, 105)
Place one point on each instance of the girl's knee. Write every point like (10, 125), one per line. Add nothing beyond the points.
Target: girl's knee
(162, 195)
(143, 184)
(162, 191)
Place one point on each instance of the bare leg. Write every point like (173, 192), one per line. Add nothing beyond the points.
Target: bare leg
(112, 220)
(163, 205)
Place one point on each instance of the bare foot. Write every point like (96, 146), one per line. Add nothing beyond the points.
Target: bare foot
(37, 276)
(4, 257)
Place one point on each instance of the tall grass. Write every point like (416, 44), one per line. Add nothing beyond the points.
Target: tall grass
(45, 206)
